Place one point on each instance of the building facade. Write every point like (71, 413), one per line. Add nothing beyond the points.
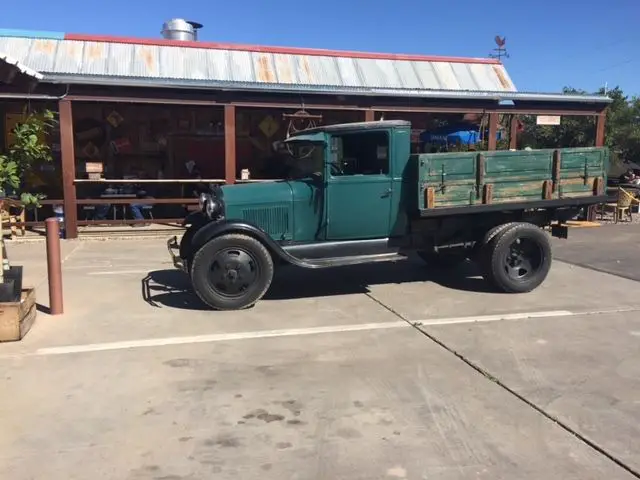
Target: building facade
(163, 111)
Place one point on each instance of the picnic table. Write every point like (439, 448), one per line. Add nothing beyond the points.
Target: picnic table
(122, 206)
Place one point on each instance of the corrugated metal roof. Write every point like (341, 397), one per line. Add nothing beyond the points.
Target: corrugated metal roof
(13, 63)
(82, 61)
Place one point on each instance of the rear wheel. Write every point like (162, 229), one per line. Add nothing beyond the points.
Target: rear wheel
(231, 272)
(517, 259)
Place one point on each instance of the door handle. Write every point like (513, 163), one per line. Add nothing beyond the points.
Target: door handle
(386, 193)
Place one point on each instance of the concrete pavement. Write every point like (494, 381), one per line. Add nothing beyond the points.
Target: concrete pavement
(609, 248)
(137, 380)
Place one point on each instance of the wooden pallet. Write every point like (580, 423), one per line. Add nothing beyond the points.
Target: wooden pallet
(16, 318)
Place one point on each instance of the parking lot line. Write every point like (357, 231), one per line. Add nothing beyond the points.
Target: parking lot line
(119, 272)
(495, 318)
(226, 337)
(220, 337)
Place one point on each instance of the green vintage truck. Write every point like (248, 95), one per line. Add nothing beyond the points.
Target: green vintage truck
(357, 195)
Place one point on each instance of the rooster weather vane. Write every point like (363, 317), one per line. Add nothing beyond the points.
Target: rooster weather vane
(501, 51)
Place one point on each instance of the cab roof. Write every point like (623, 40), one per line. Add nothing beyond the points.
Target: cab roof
(346, 127)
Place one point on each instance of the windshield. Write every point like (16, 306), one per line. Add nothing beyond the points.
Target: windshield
(306, 159)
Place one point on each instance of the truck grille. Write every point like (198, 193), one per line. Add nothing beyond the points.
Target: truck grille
(273, 220)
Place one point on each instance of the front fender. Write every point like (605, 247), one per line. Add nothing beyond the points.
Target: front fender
(195, 218)
(211, 230)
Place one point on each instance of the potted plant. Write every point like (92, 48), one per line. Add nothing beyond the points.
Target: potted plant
(28, 148)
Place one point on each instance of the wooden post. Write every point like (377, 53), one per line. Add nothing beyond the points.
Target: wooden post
(493, 131)
(513, 132)
(369, 115)
(68, 169)
(230, 144)
(54, 266)
(601, 121)
(2, 256)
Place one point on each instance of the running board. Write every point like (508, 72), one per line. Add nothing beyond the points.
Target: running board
(350, 260)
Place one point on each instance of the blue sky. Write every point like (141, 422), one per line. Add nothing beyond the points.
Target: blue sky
(552, 44)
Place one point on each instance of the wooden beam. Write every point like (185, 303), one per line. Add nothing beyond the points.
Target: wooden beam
(68, 164)
(369, 115)
(601, 121)
(513, 132)
(230, 144)
(325, 103)
(493, 130)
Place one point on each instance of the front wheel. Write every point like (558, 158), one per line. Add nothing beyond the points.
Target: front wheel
(518, 258)
(231, 272)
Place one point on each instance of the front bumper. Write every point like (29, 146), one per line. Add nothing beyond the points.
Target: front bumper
(173, 245)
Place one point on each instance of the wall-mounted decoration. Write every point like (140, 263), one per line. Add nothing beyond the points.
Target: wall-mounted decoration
(90, 150)
(269, 126)
(115, 119)
(120, 145)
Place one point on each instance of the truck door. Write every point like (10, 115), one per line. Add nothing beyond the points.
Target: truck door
(358, 186)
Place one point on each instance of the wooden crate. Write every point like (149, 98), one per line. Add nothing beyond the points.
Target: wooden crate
(16, 318)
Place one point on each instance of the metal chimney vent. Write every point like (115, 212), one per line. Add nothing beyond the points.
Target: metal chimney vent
(179, 29)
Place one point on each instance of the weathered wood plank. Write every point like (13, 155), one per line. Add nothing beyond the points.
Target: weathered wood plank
(459, 178)
(16, 318)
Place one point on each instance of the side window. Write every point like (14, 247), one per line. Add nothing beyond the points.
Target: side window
(363, 153)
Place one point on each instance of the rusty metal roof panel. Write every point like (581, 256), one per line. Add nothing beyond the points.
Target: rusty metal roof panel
(319, 70)
(504, 80)
(286, 68)
(119, 61)
(264, 70)
(42, 54)
(484, 78)
(161, 64)
(145, 61)
(68, 57)
(95, 58)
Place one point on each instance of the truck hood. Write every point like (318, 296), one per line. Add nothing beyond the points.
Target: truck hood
(263, 194)
(267, 205)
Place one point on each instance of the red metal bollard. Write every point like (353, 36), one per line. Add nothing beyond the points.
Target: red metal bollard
(54, 266)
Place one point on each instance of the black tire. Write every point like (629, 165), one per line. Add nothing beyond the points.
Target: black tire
(185, 248)
(518, 258)
(243, 272)
(441, 259)
(484, 248)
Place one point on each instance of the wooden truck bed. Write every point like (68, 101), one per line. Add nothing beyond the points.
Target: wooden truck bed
(450, 180)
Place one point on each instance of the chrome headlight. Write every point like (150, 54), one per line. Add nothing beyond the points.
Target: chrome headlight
(213, 207)
(202, 200)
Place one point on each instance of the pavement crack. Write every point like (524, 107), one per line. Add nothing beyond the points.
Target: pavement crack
(486, 374)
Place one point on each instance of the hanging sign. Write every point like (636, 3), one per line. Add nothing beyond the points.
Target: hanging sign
(548, 120)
